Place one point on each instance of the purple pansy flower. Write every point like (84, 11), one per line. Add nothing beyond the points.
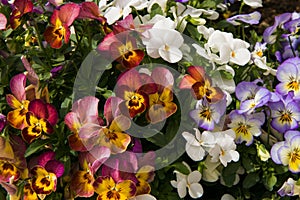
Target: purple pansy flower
(279, 21)
(207, 115)
(251, 96)
(252, 18)
(285, 114)
(288, 73)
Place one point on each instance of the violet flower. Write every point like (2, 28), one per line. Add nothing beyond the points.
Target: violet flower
(279, 21)
(251, 96)
(252, 18)
(285, 114)
(288, 73)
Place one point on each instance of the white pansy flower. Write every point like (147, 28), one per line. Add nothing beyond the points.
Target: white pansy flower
(229, 49)
(225, 148)
(190, 182)
(197, 145)
(163, 41)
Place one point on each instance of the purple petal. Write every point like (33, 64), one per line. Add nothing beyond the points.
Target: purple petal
(44, 158)
(87, 108)
(2, 121)
(55, 167)
(17, 86)
(252, 18)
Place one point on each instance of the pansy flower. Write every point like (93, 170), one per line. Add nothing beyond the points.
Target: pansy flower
(17, 101)
(82, 180)
(201, 85)
(122, 47)
(285, 114)
(61, 19)
(207, 115)
(288, 152)
(288, 73)
(46, 173)
(134, 89)
(84, 115)
(246, 126)
(113, 135)
(188, 182)
(21, 7)
(161, 104)
(41, 117)
(108, 189)
(251, 96)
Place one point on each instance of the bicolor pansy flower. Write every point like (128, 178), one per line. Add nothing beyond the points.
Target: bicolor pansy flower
(285, 114)
(134, 89)
(201, 85)
(84, 114)
(41, 117)
(208, 115)
(122, 47)
(287, 152)
(46, 173)
(288, 73)
(161, 104)
(251, 96)
(61, 19)
(17, 101)
(246, 126)
(108, 189)
(144, 176)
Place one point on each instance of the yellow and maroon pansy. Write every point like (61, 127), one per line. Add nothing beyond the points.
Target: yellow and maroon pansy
(201, 85)
(122, 47)
(8, 171)
(43, 182)
(114, 137)
(144, 176)
(17, 101)
(61, 19)
(41, 117)
(82, 183)
(134, 89)
(108, 189)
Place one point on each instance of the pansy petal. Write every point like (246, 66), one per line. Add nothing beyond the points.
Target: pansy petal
(194, 177)
(82, 184)
(170, 54)
(17, 86)
(120, 123)
(127, 188)
(43, 182)
(55, 167)
(72, 121)
(3, 21)
(102, 183)
(196, 153)
(38, 108)
(45, 157)
(68, 13)
(195, 190)
(52, 114)
(181, 189)
(187, 82)
(17, 118)
(111, 108)
(162, 77)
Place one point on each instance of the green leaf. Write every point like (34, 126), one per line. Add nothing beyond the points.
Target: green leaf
(179, 166)
(250, 180)
(229, 173)
(36, 146)
(156, 10)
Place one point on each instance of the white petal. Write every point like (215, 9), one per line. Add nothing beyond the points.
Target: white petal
(195, 190)
(181, 189)
(145, 197)
(190, 138)
(196, 153)
(112, 14)
(174, 183)
(194, 177)
(240, 56)
(170, 54)
(227, 197)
